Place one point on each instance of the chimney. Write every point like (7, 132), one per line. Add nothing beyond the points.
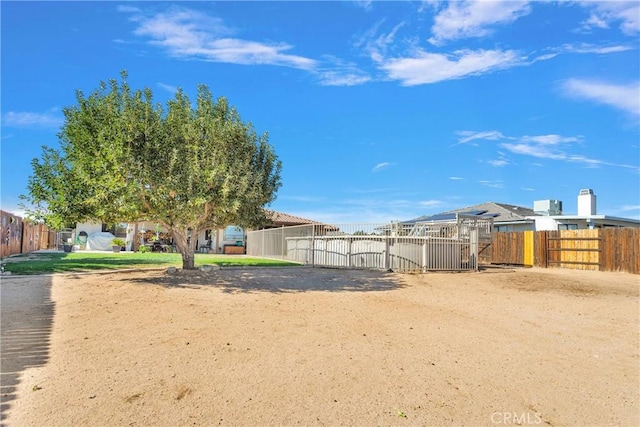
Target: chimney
(586, 202)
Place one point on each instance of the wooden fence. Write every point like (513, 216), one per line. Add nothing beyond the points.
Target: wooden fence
(20, 237)
(609, 249)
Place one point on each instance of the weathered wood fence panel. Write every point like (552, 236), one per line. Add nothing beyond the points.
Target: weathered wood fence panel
(540, 248)
(620, 250)
(34, 237)
(485, 249)
(508, 248)
(11, 234)
(610, 249)
(19, 236)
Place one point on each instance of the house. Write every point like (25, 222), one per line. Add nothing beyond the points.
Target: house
(228, 240)
(505, 217)
(281, 219)
(545, 215)
(586, 218)
(232, 239)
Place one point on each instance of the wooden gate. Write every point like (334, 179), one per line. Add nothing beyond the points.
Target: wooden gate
(609, 249)
(577, 249)
(508, 248)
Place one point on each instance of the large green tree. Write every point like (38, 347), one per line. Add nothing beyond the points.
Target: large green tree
(125, 158)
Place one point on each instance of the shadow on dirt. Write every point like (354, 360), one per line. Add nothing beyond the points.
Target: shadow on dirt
(26, 317)
(289, 279)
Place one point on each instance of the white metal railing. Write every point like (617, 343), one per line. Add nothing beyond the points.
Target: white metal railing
(451, 246)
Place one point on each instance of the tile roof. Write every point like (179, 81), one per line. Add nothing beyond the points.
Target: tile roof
(281, 218)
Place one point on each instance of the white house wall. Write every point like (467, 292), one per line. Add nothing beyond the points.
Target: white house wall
(546, 223)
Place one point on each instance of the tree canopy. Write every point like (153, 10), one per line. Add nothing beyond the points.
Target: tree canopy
(124, 158)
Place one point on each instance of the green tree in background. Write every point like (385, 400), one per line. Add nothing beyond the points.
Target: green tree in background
(123, 158)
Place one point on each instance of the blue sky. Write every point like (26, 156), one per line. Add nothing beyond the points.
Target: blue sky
(378, 110)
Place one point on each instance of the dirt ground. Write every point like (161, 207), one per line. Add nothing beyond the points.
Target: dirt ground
(320, 347)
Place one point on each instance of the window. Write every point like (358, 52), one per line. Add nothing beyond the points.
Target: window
(118, 230)
(234, 233)
(567, 226)
(501, 228)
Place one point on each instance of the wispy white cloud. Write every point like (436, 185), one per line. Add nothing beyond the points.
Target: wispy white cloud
(498, 163)
(456, 178)
(529, 147)
(535, 150)
(466, 136)
(592, 48)
(31, 120)
(189, 34)
(168, 88)
(128, 9)
(337, 78)
(364, 4)
(464, 19)
(424, 67)
(416, 66)
(381, 166)
(551, 139)
(527, 189)
(192, 35)
(431, 203)
(377, 43)
(550, 147)
(492, 183)
(604, 14)
(623, 97)
(341, 73)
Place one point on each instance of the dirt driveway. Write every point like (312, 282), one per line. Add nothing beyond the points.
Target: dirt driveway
(301, 346)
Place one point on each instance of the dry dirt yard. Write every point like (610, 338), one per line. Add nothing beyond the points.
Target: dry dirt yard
(320, 347)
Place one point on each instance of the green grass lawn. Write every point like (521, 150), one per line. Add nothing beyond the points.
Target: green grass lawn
(64, 262)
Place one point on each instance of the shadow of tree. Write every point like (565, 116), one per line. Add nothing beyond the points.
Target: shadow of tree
(287, 279)
(26, 317)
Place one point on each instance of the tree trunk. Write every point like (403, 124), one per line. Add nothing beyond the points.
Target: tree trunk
(186, 247)
(188, 260)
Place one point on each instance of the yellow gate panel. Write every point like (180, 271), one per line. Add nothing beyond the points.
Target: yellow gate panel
(528, 248)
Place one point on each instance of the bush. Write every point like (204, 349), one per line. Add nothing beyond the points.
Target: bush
(118, 242)
(143, 249)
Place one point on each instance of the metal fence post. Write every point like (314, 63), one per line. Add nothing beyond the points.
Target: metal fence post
(424, 255)
(284, 249)
(313, 245)
(387, 256)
